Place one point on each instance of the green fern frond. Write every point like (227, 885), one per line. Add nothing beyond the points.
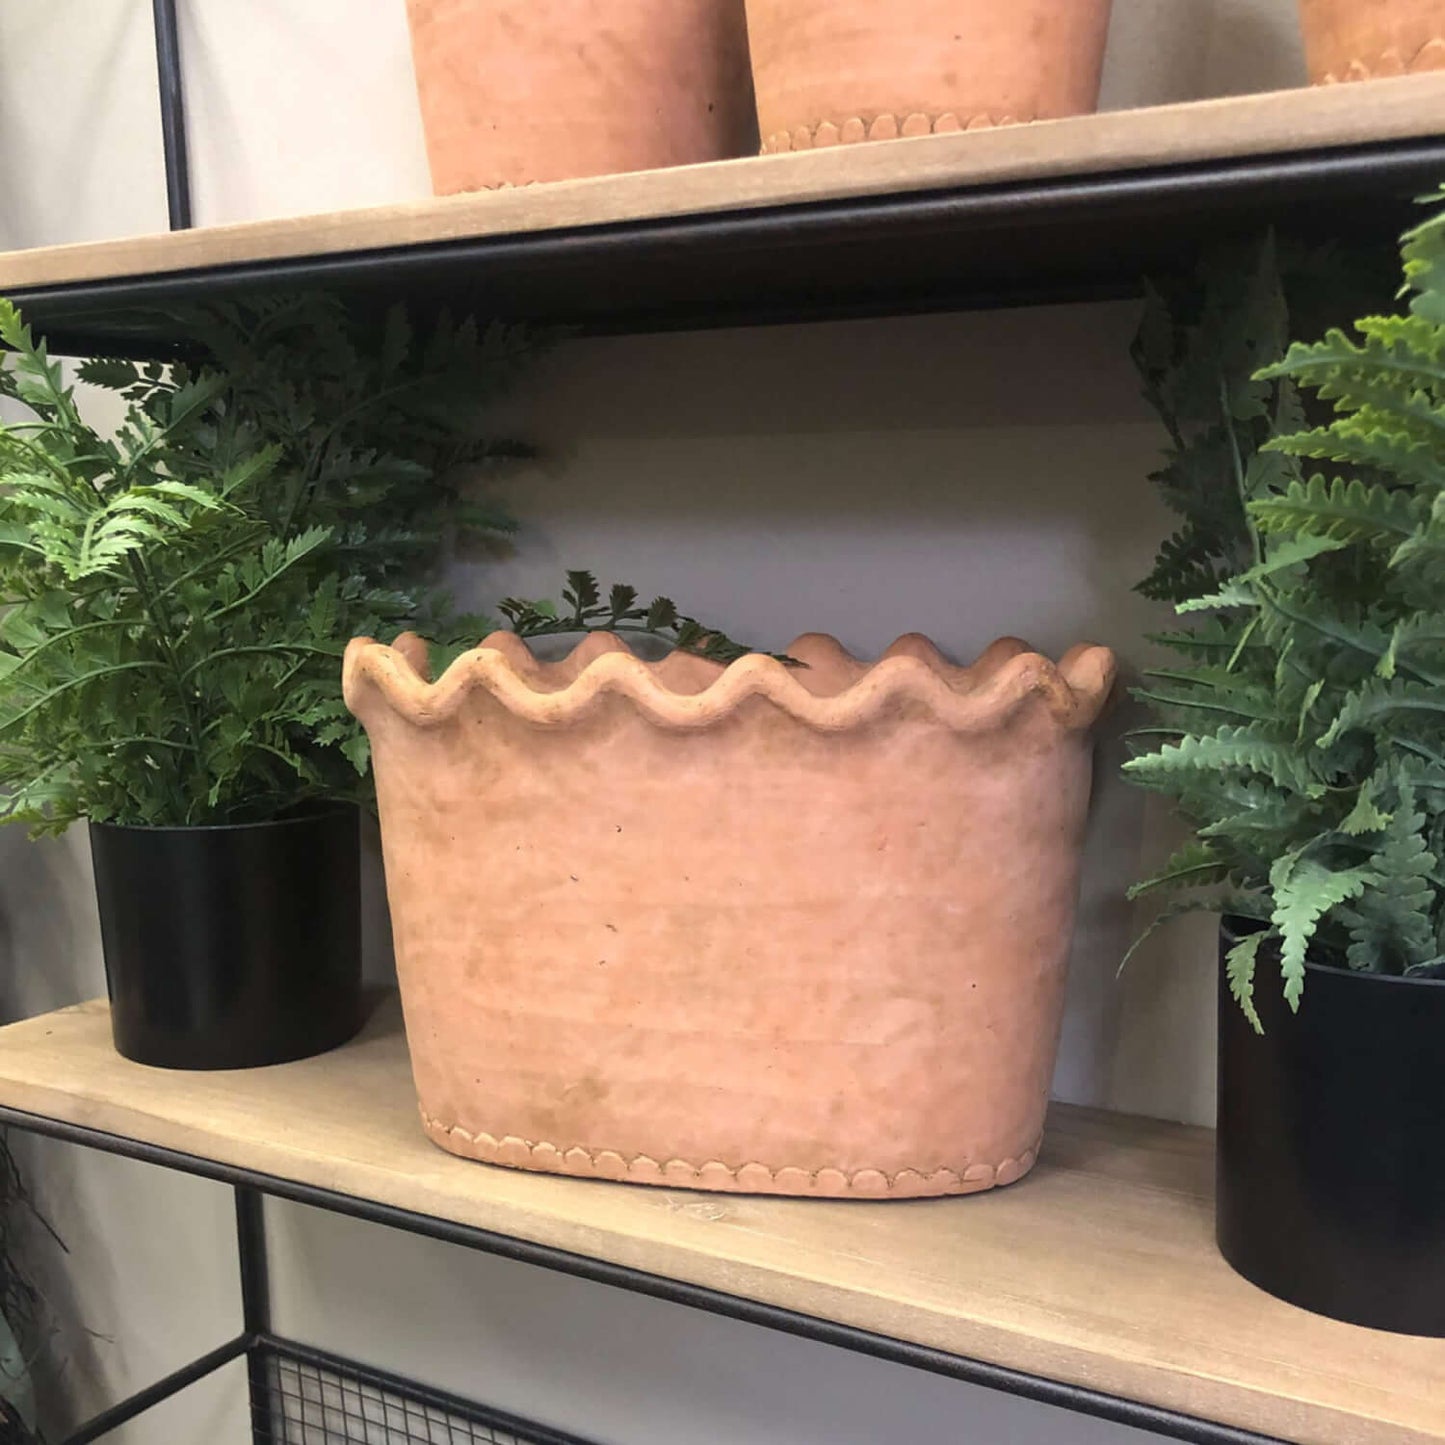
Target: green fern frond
(1379, 703)
(1195, 865)
(1366, 815)
(1343, 509)
(1239, 968)
(1304, 891)
(1423, 252)
(1393, 379)
(1231, 750)
(1368, 438)
(1285, 556)
(1323, 654)
(1390, 926)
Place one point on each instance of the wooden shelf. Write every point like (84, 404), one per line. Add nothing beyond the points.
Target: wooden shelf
(1065, 207)
(1097, 1270)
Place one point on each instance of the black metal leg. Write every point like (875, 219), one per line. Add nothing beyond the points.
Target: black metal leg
(255, 1306)
(173, 114)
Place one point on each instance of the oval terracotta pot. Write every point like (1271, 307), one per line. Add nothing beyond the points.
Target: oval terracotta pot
(784, 931)
(515, 91)
(830, 71)
(1362, 39)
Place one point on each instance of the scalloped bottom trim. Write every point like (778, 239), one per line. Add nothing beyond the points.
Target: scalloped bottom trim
(883, 127)
(517, 1153)
(1430, 56)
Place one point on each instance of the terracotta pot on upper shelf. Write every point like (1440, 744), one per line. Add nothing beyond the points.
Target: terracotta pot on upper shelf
(516, 91)
(754, 928)
(831, 71)
(1363, 39)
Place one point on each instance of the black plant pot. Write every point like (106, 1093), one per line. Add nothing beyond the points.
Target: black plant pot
(1331, 1145)
(231, 947)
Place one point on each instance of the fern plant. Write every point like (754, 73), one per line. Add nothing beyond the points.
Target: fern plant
(178, 593)
(1303, 732)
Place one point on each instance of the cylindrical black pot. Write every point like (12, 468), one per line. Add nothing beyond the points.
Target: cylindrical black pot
(231, 947)
(1331, 1145)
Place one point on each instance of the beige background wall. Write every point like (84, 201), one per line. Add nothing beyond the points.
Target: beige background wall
(966, 475)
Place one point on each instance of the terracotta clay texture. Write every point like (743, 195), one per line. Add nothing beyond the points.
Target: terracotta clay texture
(515, 91)
(829, 72)
(1362, 39)
(763, 929)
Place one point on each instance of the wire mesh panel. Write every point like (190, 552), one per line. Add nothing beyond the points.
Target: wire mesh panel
(304, 1397)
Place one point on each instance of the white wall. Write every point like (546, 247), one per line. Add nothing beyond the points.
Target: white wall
(965, 475)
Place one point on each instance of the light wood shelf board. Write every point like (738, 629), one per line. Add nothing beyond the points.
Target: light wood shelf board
(1234, 127)
(1099, 1269)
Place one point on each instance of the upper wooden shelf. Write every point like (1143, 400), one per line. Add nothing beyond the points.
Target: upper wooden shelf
(1057, 209)
(1099, 1269)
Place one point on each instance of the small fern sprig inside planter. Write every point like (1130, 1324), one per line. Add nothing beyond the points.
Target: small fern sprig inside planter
(1303, 735)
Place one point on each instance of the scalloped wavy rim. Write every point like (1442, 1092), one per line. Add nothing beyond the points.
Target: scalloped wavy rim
(832, 692)
(1429, 56)
(582, 1163)
(885, 125)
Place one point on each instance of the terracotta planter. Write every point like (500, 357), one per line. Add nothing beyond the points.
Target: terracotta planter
(831, 71)
(514, 91)
(1362, 39)
(755, 929)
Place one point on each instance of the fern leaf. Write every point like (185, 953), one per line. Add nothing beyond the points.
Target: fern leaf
(112, 374)
(1424, 257)
(1230, 749)
(1344, 509)
(1304, 891)
(1366, 816)
(1194, 865)
(1379, 702)
(193, 397)
(1235, 701)
(1392, 376)
(1417, 644)
(1368, 438)
(1241, 591)
(1231, 594)
(1391, 926)
(1239, 968)
(1427, 544)
(581, 592)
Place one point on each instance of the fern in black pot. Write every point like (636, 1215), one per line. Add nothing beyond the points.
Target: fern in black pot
(177, 594)
(1302, 735)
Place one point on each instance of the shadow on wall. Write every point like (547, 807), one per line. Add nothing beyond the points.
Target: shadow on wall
(49, 929)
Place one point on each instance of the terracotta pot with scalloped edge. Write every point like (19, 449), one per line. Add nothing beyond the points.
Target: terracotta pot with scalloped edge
(786, 931)
(1365, 39)
(834, 71)
(516, 91)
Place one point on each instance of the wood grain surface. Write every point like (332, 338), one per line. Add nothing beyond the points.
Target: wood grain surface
(1098, 1269)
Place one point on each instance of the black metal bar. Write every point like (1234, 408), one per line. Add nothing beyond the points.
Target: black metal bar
(425, 1395)
(172, 1384)
(251, 1251)
(173, 114)
(1078, 1398)
(255, 1300)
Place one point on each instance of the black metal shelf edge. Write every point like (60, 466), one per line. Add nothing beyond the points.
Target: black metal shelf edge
(1071, 238)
